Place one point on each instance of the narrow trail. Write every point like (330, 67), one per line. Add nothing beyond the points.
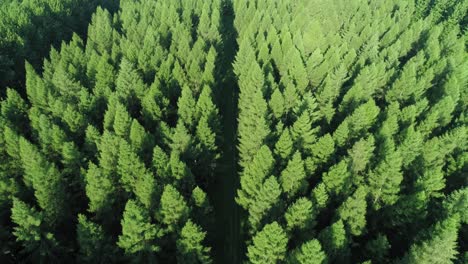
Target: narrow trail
(228, 247)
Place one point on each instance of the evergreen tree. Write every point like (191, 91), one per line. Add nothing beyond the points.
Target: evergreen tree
(139, 235)
(268, 195)
(253, 176)
(100, 189)
(173, 209)
(93, 243)
(186, 105)
(353, 212)
(31, 231)
(190, 247)
(284, 146)
(300, 215)
(335, 241)
(293, 177)
(269, 245)
(46, 180)
(385, 181)
(309, 253)
(440, 247)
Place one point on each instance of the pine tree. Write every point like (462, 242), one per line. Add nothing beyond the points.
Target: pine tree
(93, 243)
(31, 231)
(14, 110)
(139, 139)
(361, 154)
(253, 176)
(100, 189)
(385, 180)
(190, 248)
(320, 196)
(145, 190)
(439, 247)
(276, 104)
(269, 245)
(173, 209)
(181, 139)
(284, 145)
(293, 176)
(338, 178)
(129, 166)
(353, 212)
(46, 180)
(300, 215)
(309, 253)
(377, 249)
(268, 195)
(122, 121)
(109, 152)
(186, 105)
(139, 235)
(160, 162)
(335, 241)
(302, 132)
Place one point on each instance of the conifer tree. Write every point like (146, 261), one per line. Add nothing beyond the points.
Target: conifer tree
(190, 248)
(100, 189)
(186, 105)
(267, 197)
(253, 176)
(46, 180)
(173, 209)
(353, 212)
(284, 145)
(269, 245)
(93, 243)
(440, 247)
(293, 176)
(310, 252)
(31, 231)
(335, 241)
(122, 121)
(139, 235)
(385, 181)
(300, 215)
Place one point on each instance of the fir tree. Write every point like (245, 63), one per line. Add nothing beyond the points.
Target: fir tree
(269, 245)
(293, 177)
(173, 209)
(310, 252)
(139, 235)
(190, 248)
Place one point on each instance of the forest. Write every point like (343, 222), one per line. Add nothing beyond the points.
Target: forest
(234, 131)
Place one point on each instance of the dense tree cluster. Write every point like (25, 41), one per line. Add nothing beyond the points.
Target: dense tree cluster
(352, 130)
(29, 27)
(110, 155)
(351, 139)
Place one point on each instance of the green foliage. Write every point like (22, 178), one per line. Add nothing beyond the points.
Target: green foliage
(45, 179)
(353, 212)
(293, 176)
(440, 247)
(335, 241)
(190, 247)
(300, 215)
(138, 233)
(309, 253)
(173, 208)
(31, 233)
(93, 243)
(347, 120)
(269, 245)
